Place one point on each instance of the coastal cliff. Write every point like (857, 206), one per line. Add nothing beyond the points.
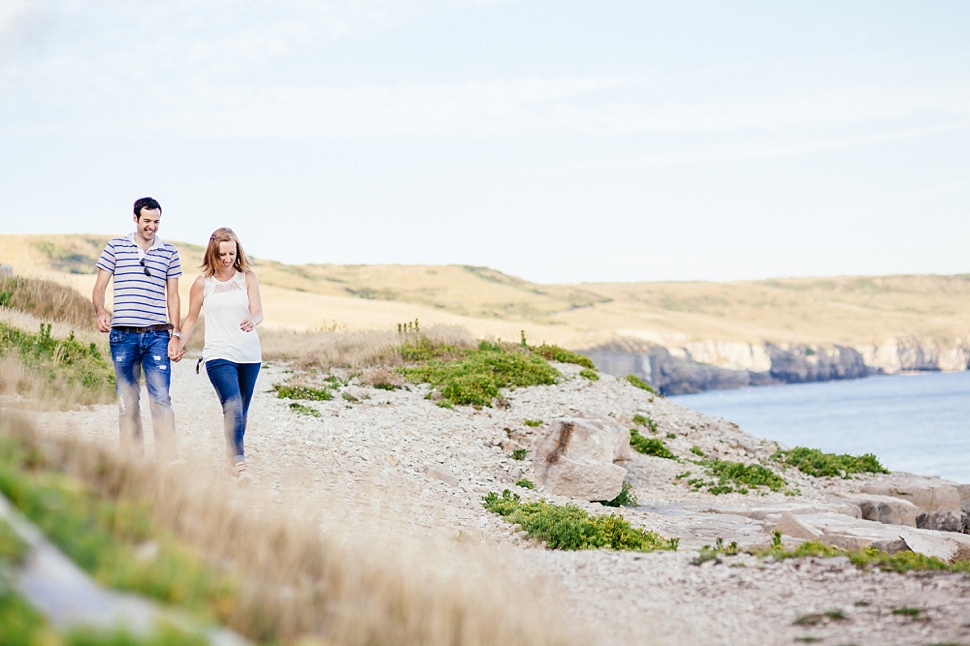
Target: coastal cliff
(710, 365)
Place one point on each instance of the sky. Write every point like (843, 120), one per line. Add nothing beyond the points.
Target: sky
(558, 141)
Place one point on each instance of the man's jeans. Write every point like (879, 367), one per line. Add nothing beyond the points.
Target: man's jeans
(131, 353)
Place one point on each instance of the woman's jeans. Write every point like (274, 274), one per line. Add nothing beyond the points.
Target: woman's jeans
(131, 353)
(234, 384)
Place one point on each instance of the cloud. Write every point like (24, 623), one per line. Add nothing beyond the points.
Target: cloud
(22, 26)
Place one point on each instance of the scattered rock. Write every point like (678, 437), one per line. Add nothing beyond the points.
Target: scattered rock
(789, 525)
(946, 546)
(442, 473)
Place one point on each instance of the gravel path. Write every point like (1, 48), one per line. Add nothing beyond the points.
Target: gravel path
(371, 454)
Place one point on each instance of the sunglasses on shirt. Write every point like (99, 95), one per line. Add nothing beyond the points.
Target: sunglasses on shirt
(144, 268)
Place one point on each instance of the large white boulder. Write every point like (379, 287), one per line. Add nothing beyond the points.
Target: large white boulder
(883, 509)
(576, 458)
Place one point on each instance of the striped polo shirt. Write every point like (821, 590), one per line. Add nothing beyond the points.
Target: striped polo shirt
(139, 300)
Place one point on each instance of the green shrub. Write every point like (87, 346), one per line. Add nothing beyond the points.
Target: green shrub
(671, 436)
(385, 385)
(518, 454)
(562, 355)
(626, 498)
(866, 558)
(476, 378)
(650, 445)
(571, 528)
(533, 422)
(696, 450)
(420, 348)
(816, 463)
(283, 391)
(736, 476)
(590, 374)
(525, 484)
(640, 383)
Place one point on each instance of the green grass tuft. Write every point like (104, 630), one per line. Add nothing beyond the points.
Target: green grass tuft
(525, 484)
(626, 498)
(650, 445)
(284, 391)
(562, 355)
(518, 454)
(588, 373)
(640, 383)
(65, 359)
(816, 463)
(302, 409)
(571, 528)
(696, 450)
(643, 420)
(533, 422)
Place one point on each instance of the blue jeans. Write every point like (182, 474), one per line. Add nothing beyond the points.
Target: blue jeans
(132, 353)
(234, 384)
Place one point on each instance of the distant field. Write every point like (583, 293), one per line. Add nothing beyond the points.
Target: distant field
(850, 310)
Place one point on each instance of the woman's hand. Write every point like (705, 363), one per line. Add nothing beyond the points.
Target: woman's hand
(247, 325)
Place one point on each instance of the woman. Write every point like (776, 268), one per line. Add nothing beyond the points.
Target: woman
(230, 293)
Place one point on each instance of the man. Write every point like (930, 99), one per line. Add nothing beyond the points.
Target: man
(146, 276)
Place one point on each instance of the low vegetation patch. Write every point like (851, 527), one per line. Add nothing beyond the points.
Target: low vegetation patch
(866, 558)
(640, 383)
(736, 477)
(566, 527)
(587, 373)
(643, 420)
(525, 484)
(285, 391)
(533, 422)
(650, 445)
(518, 454)
(477, 377)
(562, 355)
(816, 463)
(303, 409)
(52, 366)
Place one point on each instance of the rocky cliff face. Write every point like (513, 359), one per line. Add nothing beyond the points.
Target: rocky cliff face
(694, 367)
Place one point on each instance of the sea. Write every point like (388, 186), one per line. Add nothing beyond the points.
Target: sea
(918, 423)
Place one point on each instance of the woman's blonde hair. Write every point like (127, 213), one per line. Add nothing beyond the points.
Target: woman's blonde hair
(211, 259)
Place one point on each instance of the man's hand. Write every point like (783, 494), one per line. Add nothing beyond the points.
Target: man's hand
(175, 351)
(104, 322)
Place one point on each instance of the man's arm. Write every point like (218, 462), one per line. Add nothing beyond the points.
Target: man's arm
(175, 351)
(97, 298)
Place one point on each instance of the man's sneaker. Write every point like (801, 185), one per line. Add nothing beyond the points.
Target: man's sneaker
(242, 478)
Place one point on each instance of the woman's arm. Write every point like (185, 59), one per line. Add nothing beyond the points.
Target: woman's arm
(255, 304)
(196, 294)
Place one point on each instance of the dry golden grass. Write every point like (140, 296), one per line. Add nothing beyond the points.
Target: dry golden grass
(351, 348)
(317, 575)
(48, 300)
(29, 389)
(848, 309)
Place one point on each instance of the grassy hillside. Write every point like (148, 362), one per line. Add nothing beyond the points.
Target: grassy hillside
(852, 310)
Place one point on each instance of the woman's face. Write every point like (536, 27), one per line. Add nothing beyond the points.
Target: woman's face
(227, 253)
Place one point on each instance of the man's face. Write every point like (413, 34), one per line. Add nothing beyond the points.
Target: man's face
(147, 223)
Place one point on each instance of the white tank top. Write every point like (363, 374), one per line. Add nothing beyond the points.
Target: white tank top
(226, 306)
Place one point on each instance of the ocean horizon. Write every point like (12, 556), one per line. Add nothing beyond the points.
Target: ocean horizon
(915, 422)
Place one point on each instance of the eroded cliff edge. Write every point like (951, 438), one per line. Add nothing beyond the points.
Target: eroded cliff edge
(697, 366)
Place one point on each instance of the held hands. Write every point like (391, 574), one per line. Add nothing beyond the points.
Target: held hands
(247, 325)
(175, 349)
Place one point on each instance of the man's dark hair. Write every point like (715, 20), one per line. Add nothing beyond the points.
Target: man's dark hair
(146, 203)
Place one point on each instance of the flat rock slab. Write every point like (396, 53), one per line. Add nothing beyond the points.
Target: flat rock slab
(889, 510)
(938, 500)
